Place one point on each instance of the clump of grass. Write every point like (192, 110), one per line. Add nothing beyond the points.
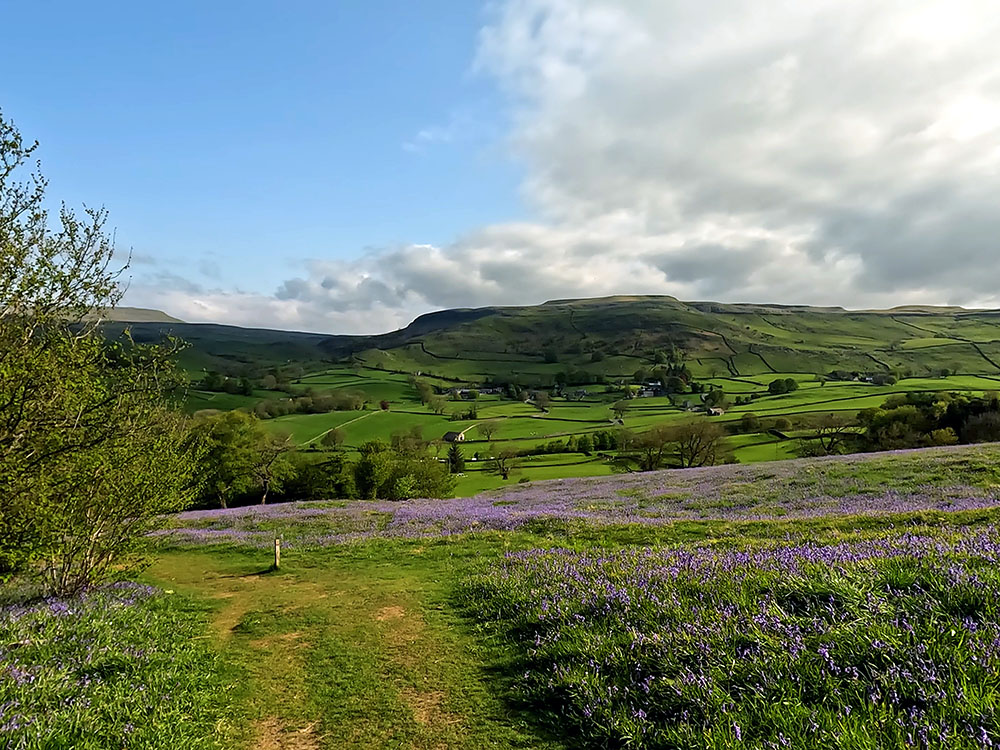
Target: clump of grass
(888, 642)
(121, 666)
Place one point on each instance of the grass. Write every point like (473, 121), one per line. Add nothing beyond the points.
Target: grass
(121, 667)
(892, 642)
(353, 647)
(545, 633)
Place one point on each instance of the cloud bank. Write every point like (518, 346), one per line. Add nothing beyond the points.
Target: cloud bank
(829, 152)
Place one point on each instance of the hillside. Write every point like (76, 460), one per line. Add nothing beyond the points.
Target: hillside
(138, 315)
(616, 335)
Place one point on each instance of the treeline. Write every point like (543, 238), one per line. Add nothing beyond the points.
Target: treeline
(311, 402)
(240, 462)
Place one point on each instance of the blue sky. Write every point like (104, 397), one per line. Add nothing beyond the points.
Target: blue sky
(346, 166)
(236, 139)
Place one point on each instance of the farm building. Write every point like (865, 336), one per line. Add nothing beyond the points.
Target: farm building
(715, 411)
(453, 437)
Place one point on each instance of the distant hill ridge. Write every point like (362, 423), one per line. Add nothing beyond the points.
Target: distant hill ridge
(138, 315)
(613, 336)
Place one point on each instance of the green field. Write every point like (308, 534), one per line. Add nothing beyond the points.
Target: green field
(523, 426)
(736, 348)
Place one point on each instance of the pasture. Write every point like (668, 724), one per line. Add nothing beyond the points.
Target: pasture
(523, 426)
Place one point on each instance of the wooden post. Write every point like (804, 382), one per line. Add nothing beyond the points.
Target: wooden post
(277, 553)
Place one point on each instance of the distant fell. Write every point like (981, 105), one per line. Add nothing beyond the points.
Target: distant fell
(614, 337)
(138, 315)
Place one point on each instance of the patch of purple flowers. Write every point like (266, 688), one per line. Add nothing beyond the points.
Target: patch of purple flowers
(949, 479)
(889, 642)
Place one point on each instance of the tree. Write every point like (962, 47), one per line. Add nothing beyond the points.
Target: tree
(424, 390)
(333, 439)
(982, 428)
(781, 386)
(456, 461)
(543, 400)
(830, 433)
(715, 398)
(503, 461)
(652, 447)
(226, 443)
(383, 405)
(80, 416)
(697, 443)
(437, 404)
(584, 444)
(320, 480)
(674, 384)
(384, 472)
(619, 408)
(749, 422)
(488, 429)
(271, 464)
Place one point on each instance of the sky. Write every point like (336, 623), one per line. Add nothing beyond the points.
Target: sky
(343, 167)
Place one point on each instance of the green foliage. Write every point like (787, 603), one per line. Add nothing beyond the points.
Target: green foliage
(333, 439)
(456, 461)
(782, 385)
(227, 445)
(329, 477)
(396, 473)
(80, 417)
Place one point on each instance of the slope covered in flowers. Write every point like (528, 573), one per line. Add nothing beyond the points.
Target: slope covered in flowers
(124, 666)
(890, 642)
(947, 479)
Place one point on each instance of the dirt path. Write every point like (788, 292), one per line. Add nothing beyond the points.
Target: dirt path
(356, 654)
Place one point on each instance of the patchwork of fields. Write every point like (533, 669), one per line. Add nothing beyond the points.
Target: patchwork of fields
(524, 427)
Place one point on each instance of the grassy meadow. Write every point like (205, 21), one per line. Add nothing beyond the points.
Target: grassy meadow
(844, 602)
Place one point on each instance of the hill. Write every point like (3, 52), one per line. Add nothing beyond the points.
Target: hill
(614, 336)
(138, 315)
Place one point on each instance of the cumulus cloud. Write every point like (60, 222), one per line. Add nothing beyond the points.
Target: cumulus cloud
(828, 152)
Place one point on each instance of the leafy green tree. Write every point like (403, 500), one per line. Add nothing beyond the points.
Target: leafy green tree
(584, 444)
(330, 478)
(456, 461)
(385, 472)
(333, 439)
(374, 469)
(715, 398)
(80, 418)
(488, 429)
(227, 443)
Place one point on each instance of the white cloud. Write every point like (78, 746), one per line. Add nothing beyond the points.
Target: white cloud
(826, 152)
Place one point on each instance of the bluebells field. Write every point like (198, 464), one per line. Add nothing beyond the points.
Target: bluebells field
(947, 479)
(123, 666)
(887, 643)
